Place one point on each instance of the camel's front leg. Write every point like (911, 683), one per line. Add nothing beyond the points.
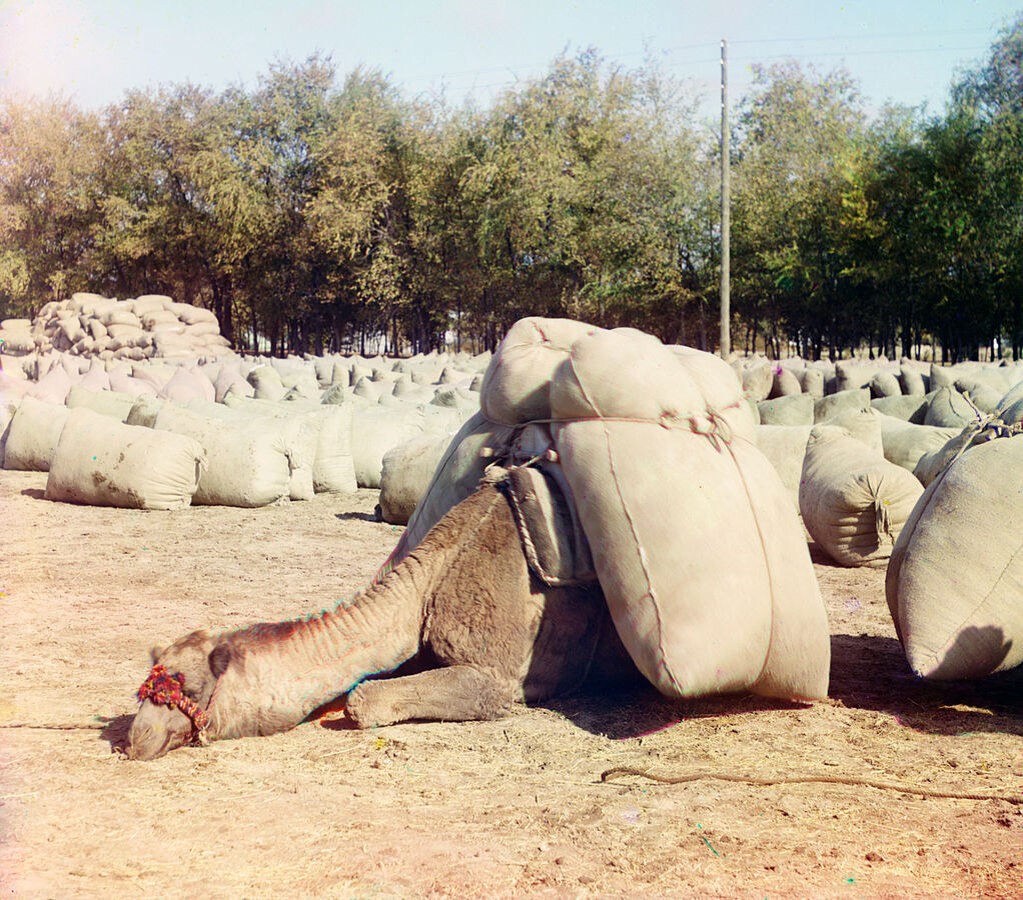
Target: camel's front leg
(451, 694)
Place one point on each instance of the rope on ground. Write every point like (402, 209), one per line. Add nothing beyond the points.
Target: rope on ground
(811, 779)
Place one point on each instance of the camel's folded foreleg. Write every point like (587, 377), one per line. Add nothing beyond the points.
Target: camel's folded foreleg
(451, 694)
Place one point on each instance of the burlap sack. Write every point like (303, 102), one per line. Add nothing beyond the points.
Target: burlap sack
(831, 405)
(33, 434)
(517, 381)
(785, 446)
(905, 443)
(700, 555)
(950, 409)
(333, 468)
(248, 466)
(406, 474)
(476, 445)
(786, 383)
(956, 574)
(854, 502)
(795, 409)
(908, 407)
(376, 429)
(885, 384)
(912, 380)
(103, 462)
(108, 403)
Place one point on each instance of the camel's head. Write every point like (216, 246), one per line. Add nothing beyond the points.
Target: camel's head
(194, 662)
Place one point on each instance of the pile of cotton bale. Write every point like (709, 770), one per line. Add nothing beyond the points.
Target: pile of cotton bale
(270, 429)
(140, 328)
(921, 411)
(697, 548)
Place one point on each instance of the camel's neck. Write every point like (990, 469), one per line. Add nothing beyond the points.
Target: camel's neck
(283, 671)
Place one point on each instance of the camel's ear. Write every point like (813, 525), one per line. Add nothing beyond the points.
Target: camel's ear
(220, 658)
(155, 652)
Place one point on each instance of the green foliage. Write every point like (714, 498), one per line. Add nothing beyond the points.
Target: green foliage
(313, 216)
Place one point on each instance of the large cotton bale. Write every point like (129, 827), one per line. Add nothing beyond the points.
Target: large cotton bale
(301, 436)
(7, 411)
(940, 377)
(794, 409)
(950, 409)
(103, 462)
(853, 501)
(54, 386)
(812, 381)
(757, 380)
(145, 410)
(376, 429)
(786, 383)
(908, 407)
(333, 469)
(699, 552)
(1010, 407)
(408, 391)
(108, 403)
(831, 405)
(863, 424)
(266, 383)
(456, 398)
(33, 434)
(905, 443)
(12, 389)
(785, 446)
(884, 383)
(912, 380)
(228, 376)
(517, 381)
(248, 466)
(406, 474)
(456, 476)
(982, 395)
(851, 375)
(956, 575)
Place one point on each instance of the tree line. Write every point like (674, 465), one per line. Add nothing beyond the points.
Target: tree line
(313, 213)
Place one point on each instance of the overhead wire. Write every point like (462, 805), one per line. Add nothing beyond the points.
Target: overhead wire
(664, 55)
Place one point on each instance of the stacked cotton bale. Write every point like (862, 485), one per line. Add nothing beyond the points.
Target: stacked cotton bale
(698, 549)
(315, 399)
(144, 327)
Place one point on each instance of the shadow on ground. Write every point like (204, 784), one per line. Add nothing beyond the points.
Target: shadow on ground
(870, 672)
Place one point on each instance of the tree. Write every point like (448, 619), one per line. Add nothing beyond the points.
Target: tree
(799, 207)
(50, 161)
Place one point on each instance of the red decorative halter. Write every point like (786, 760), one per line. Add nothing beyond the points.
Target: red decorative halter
(166, 690)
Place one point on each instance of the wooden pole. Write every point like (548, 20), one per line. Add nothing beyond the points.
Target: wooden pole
(726, 218)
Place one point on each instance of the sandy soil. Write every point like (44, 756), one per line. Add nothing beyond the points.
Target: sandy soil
(512, 808)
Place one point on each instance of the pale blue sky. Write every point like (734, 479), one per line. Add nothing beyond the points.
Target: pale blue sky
(94, 50)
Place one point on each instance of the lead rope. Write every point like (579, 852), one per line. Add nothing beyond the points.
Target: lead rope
(811, 779)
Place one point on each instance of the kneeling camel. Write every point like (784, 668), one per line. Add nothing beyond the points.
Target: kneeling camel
(464, 603)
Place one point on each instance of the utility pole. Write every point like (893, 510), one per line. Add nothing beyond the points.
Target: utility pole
(726, 216)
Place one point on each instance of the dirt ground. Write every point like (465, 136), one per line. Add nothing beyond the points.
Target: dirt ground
(507, 809)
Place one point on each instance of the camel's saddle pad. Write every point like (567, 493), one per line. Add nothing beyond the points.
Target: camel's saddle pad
(552, 538)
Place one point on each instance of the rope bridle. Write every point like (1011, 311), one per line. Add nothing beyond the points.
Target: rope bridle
(165, 689)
